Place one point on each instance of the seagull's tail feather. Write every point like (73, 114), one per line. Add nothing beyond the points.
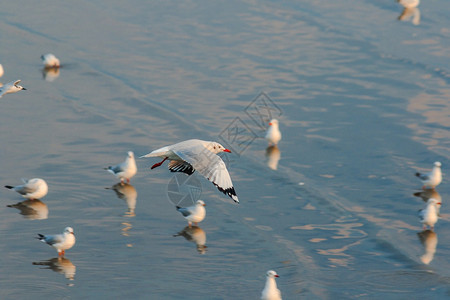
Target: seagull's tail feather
(157, 152)
(41, 237)
(9, 187)
(110, 170)
(418, 174)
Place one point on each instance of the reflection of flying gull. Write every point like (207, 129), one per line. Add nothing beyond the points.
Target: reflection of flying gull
(429, 241)
(60, 242)
(429, 215)
(271, 292)
(35, 188)
(199, 155)
(59, 265)
(11, 87)
(432, 179)
(125, 170)
(193, 214)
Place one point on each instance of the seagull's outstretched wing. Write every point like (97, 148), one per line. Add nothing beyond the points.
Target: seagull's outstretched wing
(181, 166)
(209, 165)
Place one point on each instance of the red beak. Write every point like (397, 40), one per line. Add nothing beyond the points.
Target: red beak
(277, 276)
(226, 150)
(270, 123)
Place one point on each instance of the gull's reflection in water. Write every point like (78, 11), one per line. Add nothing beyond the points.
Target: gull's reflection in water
(60, 265)
(273, 155)
(50, 74)
(428, 194)
(410, 10)
(429, 240)
(32, 209)
(128, 193)
(196, 235)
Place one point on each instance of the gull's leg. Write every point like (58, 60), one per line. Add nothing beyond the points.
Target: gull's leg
(158, 164)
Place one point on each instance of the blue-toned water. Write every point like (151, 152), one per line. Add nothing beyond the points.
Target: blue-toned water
(362, 100)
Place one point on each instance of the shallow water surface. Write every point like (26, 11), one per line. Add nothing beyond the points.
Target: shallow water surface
(362, 100)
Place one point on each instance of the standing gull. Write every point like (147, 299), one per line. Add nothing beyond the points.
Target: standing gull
(429, 215)
(271, 292)
(125, 170)
(199, 155)
(50, 61)
(60, 242)
(193, 214)
(11, 87)
(35, 188)
(273, 135)
(432, 179)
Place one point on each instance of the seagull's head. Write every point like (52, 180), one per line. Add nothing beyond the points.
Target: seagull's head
(217, 148)
(130, 154)
(273, 122)
(433, 201)
(272, 274)
(200, 202)
(68, 230)
(437, 164)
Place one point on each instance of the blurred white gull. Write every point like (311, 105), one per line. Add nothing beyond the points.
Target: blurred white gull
(35, 188)
(271, 292)
(432, 179)
(50, 61)
(1, 70)
(60, 242)
(409, 3)
(193, 214)
(429, 215)
(125, 170)
(11, 87)
(199, 155)
(273, 135)
(429, 241)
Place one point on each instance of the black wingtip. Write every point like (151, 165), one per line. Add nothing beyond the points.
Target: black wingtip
(9, 186)
(229, 191)
(418, 174)
(178, 207)
(40, 236)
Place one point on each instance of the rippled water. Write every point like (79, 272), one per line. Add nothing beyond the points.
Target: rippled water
(362, 100)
